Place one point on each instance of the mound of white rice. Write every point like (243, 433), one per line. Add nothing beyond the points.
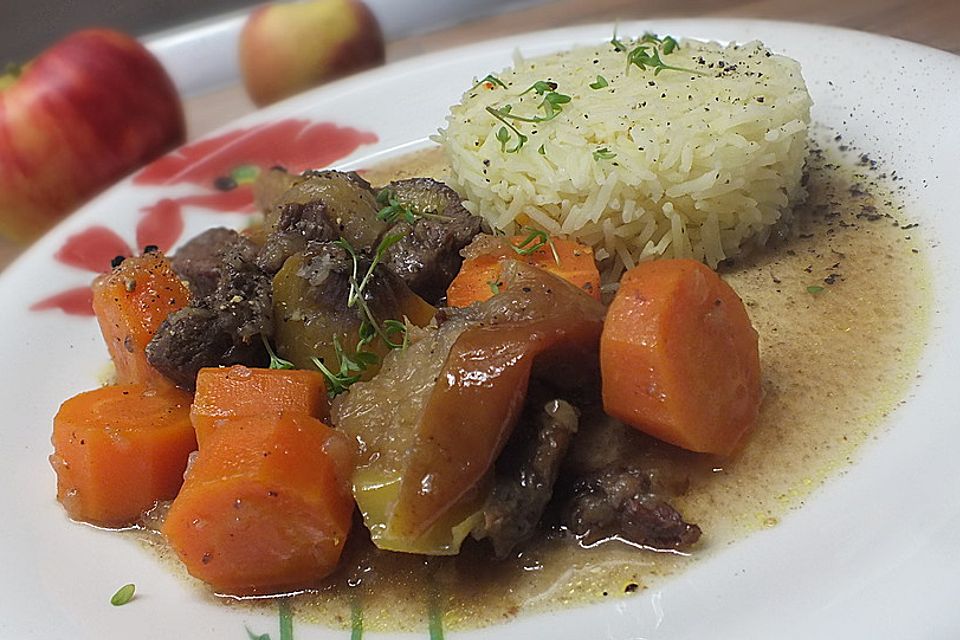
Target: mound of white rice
(671, 164)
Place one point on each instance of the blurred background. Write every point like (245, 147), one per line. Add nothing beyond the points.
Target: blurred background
(28, 26)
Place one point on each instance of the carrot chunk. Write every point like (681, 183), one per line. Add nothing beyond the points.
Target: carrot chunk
(679, 357)
(120, 449)
(130, 303)
(480, 275)
(266, 506)
(239, 391)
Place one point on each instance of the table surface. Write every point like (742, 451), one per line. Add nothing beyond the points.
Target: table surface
(935, 23)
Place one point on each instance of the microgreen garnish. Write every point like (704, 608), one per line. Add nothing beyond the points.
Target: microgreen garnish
(123, 595)
(604, 154)
(667, 44)
(647, 53)
(552, 105)
(536, 240)
(600, 83)
(503, 133)
(618, 46)
(541, 87)
(276, 362)
(494, 286)
(491, 79)
(393, 209)
(391, 327)
(351, 365)
(814, 289)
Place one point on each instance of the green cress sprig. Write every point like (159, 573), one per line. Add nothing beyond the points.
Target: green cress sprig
(535, 241)
(351, 365)
(600, 83)
(604, 154)
(552, 106)
(276, 362)
(647, 53)
(491, 79)
(393, 210)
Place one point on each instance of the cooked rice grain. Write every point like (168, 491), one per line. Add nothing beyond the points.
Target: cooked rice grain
(703, 164)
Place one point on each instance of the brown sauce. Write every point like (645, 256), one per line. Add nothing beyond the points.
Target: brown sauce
(841, 307)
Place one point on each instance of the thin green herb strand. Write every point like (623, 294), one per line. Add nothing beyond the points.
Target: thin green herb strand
(436, 617)
(356, 619)
(286, 620)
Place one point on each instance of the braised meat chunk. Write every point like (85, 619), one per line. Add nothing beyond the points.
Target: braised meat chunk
(222, 328)
(622, 502)
(321, 206)
(525, 474)
(198, 261)
(434, 227)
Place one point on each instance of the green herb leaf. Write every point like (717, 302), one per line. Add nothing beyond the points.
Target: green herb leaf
(276, 362)
(618, 46)
(253, 636)
(494, 286)
(391, 327)
(542, 151)
(647, 54)
(123, 595)
(541, 87)
(600, 83)
(503, 136)
(604, 154)
(491, 79)
(669, 45)
(815, 289)
(551, 105)
(351, 365)
(245, 173)
(536, 239)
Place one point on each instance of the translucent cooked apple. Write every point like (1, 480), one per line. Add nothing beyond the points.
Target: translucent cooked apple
(425, 460)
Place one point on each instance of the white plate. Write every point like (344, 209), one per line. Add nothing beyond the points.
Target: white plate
(874, 554)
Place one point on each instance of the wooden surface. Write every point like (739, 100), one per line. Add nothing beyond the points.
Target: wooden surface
(935, 23)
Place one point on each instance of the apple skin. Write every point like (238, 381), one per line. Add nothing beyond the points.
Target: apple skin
(288, 48)
(87, 111)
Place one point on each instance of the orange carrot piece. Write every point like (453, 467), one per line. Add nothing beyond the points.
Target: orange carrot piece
(119, 449)
(266, 506)
(130, 302)
(479, 277)
(679, 357)
(239, 391)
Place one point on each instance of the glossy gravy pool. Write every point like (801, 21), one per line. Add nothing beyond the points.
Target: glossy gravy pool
(841, 308)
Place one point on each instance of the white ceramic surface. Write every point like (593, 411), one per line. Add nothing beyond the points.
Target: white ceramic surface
(873, 554)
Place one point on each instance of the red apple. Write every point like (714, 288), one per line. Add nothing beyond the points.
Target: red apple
(86, 112)
(288, 48)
